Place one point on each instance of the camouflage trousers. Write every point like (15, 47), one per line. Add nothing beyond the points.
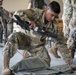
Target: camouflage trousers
(22, 41)
(69, 19)
(69, 14)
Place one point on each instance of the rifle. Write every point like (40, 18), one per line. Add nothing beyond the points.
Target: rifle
(25, 25)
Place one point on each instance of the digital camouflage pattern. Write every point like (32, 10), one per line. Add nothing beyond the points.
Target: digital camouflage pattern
(69, 15)
(69, 20)
(71, 42)
(7, 22)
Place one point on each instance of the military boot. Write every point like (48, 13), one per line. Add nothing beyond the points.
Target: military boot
(54, 52)
(26, 54)
(5, 66)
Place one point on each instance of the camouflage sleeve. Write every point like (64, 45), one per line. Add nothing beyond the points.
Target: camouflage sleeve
(65, 52)
(33, 15)
(29, 14)
(62, 47)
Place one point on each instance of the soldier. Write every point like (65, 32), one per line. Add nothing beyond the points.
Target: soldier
(35, 43)
(41, 5)
(10, 24)
(6, 20)
(71, 42)
(69, 18)
(69, 15)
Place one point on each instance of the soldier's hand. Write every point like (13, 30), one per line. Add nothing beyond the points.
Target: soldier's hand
(69, 64)
(32, 24)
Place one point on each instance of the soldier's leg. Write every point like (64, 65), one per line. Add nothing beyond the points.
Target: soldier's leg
(66, 28)
(54, 50)
(65, 52)
(9, 50)
(15, 41)
(51, 46)
(71, 44)
(67, 15)
(72, 23)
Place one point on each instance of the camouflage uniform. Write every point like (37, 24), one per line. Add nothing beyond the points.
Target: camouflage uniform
(69, 18)
(71, 42)
(7, 22)
(72, 39)
(69, 15)
(33, 42)
(42, 5)
(9, 27)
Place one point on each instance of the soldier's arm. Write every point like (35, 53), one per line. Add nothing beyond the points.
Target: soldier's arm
(65, 52)
(28, 14)
(62, 46)
(31, 16)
